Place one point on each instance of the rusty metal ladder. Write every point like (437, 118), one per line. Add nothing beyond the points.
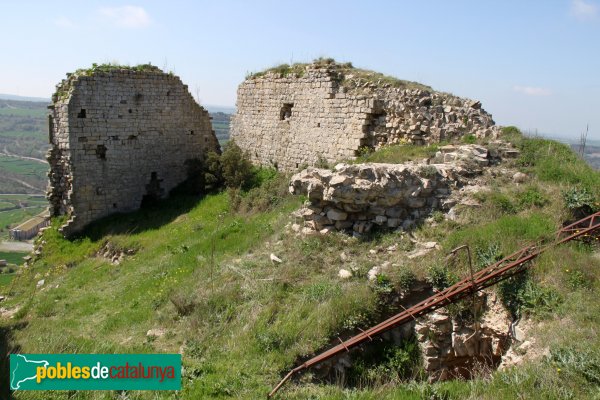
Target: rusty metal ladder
(492, 274)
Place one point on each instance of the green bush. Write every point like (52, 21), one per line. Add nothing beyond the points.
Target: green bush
(469, 139)
(406, 280)
(502, 202)
(577, 279)
(584, 364)
(487, 255)
(385, 363)
(213, 172)
(236, 166)
(440, 277)
(521, 295)
(531, 197)
(580, 201)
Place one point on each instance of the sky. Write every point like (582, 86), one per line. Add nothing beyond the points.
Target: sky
(533, 64)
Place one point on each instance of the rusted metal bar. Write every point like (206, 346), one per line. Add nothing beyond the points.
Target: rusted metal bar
(494, 273)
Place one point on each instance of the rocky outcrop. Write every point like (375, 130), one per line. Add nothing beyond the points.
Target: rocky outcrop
(326, 111)
(357, 197)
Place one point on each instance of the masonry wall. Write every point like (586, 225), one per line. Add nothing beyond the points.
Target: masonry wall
(329, 114)
(120, 137)
(287, 122)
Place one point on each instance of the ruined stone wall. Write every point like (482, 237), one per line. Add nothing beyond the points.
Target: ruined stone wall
(288, 122)
(118, 136)
(357, 197)
(329, 113)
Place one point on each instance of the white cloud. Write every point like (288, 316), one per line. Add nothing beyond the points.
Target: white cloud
(126, 16)
(584, 10)
(64, 22)
(532, 91)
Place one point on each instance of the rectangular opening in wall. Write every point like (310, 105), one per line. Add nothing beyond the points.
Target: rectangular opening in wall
(81, 113)
(101, 151)
(286, 111)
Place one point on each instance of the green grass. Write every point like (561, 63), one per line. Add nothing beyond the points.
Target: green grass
(343, 70)
(396, 154)
(6, 279)
(12, 257)
(23, 112)
(23, 167)
(242, 320)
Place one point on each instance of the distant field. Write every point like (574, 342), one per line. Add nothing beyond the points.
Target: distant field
(23, 112)
(6, 279)
(11, 218)
(23, 167)
(12, 257)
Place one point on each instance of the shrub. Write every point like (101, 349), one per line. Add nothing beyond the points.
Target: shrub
(584, 363)
(580, 201)
(383, 285)
(385, 363)
(487, 255)
(437, 216)
(520, 295)
(322, 162)
(502, 202)
(440, 277)
(213, 172)
(469, 139)
(236, 166)
(577, 279)
(406, 279)
(531, 197)
(428, 171)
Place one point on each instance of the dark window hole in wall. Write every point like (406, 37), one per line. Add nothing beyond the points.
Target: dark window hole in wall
(115, 137)
(130, 111)
(114, 205)
(101, 151)
(286, 111)
(191, 132)
(120, 116)
(82, 139)
(82, 113)
(168, 93)
(138, 98)
(132, 137)
(318, 124)
(153, 190)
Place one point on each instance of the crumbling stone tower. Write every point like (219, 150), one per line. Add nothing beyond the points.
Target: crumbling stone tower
(293, 116)
(120, 135)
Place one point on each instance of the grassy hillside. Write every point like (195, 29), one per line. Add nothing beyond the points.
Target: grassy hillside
(202, 272)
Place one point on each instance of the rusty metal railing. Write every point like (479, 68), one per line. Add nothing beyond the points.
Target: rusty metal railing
(492, 274)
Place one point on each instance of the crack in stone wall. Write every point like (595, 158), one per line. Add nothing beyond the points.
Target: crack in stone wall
(116, 133)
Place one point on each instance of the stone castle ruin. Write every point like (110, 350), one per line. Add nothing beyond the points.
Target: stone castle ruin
(120, 136)
(296, 116)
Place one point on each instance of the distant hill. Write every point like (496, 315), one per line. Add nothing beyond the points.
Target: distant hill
(23, 98)
(215, 109)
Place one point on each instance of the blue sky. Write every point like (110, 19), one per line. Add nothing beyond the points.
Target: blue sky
(535, 64)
